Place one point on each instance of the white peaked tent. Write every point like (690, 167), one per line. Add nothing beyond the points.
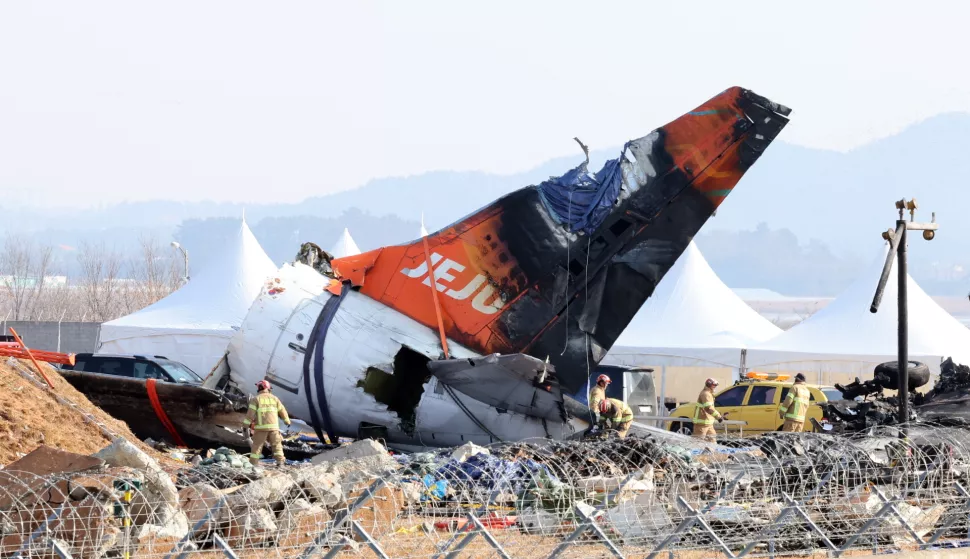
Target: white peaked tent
(844, 337)
(193, 325)
(692, 320)
(345, 246)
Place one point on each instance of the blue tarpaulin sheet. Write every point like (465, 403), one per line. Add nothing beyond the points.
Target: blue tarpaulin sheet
(437, 489)
(580, 200)
(490, 472)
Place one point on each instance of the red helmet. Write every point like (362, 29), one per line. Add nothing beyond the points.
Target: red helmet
(710, 382)
(601, 378)
(263, 385)
(605, 405)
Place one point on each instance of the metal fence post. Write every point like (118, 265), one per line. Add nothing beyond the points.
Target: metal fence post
(689, 522)
(40, 529)
(946, 525)
(589, 523)
(198, 526)
(792, 504)
(342, 517)
(222, 545)
(370, 541)
(60, 551)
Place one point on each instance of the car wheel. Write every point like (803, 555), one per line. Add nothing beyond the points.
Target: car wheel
(919, 374)
(681, 427)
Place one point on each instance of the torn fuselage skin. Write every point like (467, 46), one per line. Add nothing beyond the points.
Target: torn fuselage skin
(365, 335)
(401, 388)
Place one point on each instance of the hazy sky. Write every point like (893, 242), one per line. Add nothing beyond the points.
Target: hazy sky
(247, 101)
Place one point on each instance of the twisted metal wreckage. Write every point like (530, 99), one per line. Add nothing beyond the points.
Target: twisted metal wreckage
(866, 406)
(529, 293)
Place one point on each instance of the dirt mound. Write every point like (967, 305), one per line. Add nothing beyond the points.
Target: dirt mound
(30, 416)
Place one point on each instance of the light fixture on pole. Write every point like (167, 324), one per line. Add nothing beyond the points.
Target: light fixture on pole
(185, 259)
(898, 249)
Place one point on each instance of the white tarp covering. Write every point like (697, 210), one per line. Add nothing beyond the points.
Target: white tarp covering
(691, 320)
(345, 246)
(193, 325)
(844, 337)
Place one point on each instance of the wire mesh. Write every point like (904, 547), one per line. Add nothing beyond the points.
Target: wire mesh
(781, 494)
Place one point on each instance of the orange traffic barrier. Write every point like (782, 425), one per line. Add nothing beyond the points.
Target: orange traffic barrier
(45, 356)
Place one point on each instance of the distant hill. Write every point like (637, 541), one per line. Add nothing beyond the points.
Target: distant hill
(824, 211)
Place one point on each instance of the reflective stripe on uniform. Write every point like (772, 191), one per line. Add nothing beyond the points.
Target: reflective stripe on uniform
(798, 407)
(697, 414)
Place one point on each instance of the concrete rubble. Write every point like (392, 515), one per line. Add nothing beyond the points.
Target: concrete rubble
(633, 489)
(288, 507)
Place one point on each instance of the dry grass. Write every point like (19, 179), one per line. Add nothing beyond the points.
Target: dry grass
(30, 417)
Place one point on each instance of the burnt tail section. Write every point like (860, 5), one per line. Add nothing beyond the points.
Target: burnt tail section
(592, 286)
(527, 275)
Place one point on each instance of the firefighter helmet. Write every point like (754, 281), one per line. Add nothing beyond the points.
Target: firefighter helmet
(601, 378)
(263, 385)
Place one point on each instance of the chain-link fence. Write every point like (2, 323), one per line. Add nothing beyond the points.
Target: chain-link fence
(778, 494)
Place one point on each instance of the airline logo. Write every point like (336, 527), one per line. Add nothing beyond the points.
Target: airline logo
(482, 293)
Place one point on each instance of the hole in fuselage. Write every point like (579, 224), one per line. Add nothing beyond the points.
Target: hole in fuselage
(400, 392)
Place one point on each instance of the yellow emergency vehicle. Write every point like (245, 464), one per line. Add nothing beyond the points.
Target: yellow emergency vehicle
(755, 399)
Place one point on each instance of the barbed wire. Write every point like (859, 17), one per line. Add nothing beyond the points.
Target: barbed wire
(773, 495)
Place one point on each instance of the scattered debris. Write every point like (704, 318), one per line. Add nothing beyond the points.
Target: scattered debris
(468, 449)
(947, 404)
(315, 257)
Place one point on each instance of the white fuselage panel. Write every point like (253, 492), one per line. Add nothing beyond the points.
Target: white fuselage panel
(363, 334)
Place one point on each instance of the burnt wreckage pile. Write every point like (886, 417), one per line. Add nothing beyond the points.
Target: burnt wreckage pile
(865, 405)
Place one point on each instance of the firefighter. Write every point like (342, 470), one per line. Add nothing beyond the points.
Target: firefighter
(265, 411)
(616, 415)
(597, 394)
(705, 414)
(795, 406)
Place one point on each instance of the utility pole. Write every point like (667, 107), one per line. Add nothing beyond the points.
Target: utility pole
(897, 248)
(185, 261)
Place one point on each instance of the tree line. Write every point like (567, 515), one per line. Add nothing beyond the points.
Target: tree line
(105, 284)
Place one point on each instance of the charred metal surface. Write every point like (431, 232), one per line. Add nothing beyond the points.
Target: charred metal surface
(201, 415)
(613, 271)
(510, 382)
(523, 276)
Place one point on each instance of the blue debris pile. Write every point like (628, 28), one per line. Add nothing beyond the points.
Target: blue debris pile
(487, 472)
(434, 489)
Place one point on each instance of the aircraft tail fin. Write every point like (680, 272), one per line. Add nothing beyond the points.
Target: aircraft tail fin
(560, 268)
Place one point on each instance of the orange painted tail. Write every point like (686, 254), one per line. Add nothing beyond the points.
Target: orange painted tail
(559, 269)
